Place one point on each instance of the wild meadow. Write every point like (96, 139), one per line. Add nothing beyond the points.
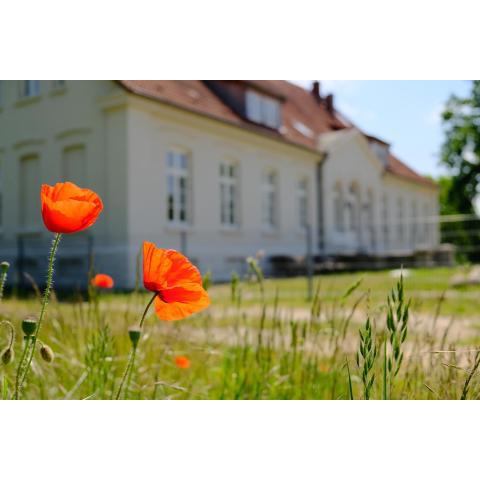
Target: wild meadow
(403, 334)
(261, 339)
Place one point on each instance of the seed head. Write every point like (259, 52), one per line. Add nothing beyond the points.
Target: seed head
(4, 266)
(47, 353)
(134, 333)
(29, 325)
(7, 355)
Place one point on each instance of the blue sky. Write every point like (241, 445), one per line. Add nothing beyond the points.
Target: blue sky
(403, 113)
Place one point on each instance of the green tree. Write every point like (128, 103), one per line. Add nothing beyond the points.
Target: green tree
(461, 156)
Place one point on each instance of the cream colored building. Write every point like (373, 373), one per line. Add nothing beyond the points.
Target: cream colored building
(218, 169)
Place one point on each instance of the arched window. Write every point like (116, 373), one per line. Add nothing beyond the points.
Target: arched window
(385, 220)
(353, 208)
(302, 203)
(369, 209)
(338, 206)
(426, 224)
(414, 227)
(400, 220)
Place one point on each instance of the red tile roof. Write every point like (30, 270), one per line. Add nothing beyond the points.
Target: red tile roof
(397, 167)
(304, 117)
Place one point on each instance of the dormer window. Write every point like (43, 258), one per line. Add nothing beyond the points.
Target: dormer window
(381, 151)
(263, 109)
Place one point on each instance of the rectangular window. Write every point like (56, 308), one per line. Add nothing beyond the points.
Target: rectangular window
(177, 187)
(302, 203)
(269, 200)
(271, 112)
(263, 109)
(73, 165)
(414, 232)
(400, 220)
(228, 194)
(385, 220)
(29, 188)
(29, 88)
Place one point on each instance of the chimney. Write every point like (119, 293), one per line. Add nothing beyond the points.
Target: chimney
(316, 90)
(329, 103)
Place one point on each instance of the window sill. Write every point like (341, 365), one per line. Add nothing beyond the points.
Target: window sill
(178, 227)
(27, 100)
(270, 232)
(230, 229)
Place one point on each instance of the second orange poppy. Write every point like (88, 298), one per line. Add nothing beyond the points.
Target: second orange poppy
(176, 281)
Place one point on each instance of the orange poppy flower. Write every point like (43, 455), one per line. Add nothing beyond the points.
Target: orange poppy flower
(182, 362)
(177, 282)
(102, 280)
(67, 208)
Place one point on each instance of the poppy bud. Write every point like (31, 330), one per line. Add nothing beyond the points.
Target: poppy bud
(29, 326)
(4, 266)
(134, 333)
(7, 355)
(47, 353)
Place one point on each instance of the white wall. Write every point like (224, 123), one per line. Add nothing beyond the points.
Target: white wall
(154, 129)
(350, 160)
(86, 115)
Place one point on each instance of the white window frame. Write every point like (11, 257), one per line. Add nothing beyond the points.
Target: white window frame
(338, 208)
(29, 88)
(302, 204)
(385, 221)
(270, 214)
(228, 173)
(26, 226)
(254, 107)
(178, 182)
(400, 220)
(414, 225)
(263, 109)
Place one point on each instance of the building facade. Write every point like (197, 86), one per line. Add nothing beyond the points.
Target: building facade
(218, 169)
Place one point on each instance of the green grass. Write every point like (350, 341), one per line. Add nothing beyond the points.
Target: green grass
(287, 348)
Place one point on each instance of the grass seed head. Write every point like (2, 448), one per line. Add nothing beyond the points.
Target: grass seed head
(4, 266)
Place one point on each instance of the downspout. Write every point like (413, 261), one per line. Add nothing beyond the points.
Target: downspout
(320, 204)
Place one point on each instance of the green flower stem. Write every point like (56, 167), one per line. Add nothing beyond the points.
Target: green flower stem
(133, 352)
(12, 332)
(3, 279)
(19, 369)
(22, 373)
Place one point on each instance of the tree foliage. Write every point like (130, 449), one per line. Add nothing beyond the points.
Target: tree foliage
(461, 156)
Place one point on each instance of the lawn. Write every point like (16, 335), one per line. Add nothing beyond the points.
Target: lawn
(263, 339)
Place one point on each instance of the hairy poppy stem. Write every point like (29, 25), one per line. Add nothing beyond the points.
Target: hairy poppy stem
(131, 361)
(3, 277)
(23, 372)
